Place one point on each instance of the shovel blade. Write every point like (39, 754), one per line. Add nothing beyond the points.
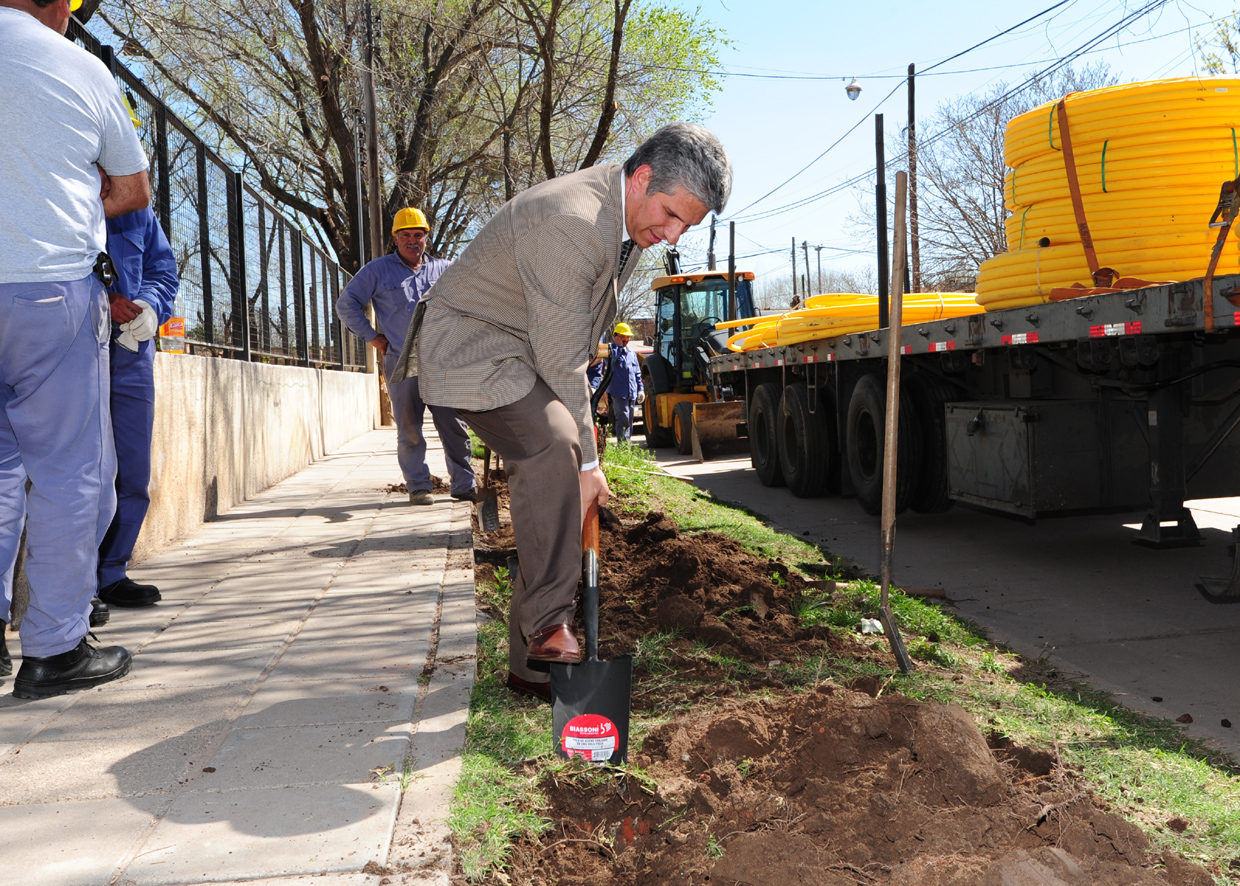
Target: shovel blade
(488, 509)
(590, 716)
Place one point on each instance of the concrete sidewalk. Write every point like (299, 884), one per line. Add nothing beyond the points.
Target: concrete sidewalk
(296, 708)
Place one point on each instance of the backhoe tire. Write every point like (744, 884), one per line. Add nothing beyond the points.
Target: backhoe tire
(682, 427)
(864, 441)
(764, 433)
(930, 394)
(804, 453)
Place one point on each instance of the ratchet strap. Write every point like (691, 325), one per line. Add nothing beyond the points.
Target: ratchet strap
(1102, 277)
(1224, 215)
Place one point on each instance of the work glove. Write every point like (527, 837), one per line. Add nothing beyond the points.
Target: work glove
(641, 397)
(139, 329)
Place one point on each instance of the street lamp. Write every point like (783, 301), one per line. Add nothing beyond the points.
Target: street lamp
(853, 90)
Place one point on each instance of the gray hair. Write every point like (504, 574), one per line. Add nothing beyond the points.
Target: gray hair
(685, 155)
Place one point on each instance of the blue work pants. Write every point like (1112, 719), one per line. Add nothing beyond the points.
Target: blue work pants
(622, 416)
(133, 421)
(409, 410)
(54, 430)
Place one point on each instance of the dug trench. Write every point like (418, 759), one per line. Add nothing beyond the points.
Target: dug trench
(818, 783)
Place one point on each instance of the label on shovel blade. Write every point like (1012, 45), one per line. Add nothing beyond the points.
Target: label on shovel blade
(592, 737)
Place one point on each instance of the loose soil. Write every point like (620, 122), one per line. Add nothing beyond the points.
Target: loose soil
(823, 787)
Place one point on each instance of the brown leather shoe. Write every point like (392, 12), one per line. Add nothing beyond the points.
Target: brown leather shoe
(554, 643)
(540, 691)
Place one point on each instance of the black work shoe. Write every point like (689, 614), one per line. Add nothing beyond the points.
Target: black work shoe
(79, 668)
(99, 613)
(128, 592)
(471, 495)
(6, 660)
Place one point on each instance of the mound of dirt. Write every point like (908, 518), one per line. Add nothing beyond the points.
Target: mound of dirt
(827, 787)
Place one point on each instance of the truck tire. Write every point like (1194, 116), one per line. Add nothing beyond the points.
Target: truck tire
(763, 433)
(682, 427)
(930, 393)
(804, 456)
(864, 439)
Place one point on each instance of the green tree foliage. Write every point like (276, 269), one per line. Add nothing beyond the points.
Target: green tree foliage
(477, 99)
(1219, 47)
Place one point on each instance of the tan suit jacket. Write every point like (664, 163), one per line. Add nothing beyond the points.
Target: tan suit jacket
(529, 298)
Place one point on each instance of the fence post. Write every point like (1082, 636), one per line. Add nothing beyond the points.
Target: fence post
(299, 298)
(204, 247)
(236, 265)
(336, 325)
(163, 189)
(264, 263)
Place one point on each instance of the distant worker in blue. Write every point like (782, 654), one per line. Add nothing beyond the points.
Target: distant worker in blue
(625, 389)
(140, 302)
(395, 284)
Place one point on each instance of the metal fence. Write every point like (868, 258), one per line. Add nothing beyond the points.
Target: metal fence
(253, 286)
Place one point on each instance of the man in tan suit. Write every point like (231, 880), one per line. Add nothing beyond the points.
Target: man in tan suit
(506, 333)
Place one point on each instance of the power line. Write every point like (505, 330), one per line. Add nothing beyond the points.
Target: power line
(926, 142)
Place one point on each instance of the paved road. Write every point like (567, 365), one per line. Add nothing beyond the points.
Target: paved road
(1075, 590)
(277, 694)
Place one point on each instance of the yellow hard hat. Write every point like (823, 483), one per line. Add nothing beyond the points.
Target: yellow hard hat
(129, 107)
(409, 217)
(623, 329)
(75, 5)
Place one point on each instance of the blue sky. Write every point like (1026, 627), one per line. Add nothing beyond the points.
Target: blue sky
(785, 102)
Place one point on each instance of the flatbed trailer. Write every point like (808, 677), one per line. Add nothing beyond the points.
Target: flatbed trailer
(1124, 400)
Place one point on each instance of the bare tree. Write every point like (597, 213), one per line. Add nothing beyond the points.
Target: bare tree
(960, 175)
(477, 98)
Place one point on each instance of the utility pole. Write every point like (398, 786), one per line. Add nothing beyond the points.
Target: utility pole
(794, 270)
(710, 250)
(818, 249)
(372, 138)
(805, 249)
(880, 200)
(915, 250)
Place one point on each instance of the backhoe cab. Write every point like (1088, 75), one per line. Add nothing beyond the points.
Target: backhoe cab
(683, 406)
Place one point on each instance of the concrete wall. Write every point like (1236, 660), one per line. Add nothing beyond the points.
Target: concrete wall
(225, 430)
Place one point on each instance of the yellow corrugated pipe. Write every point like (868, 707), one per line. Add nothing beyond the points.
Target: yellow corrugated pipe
(842, 313)
(1150, 158)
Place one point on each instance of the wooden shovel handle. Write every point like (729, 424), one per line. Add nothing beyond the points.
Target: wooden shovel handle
(589, 530)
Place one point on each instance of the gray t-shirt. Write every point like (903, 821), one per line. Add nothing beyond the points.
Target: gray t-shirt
(60, 115)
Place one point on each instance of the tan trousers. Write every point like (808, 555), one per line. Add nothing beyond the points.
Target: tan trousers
(537, 439)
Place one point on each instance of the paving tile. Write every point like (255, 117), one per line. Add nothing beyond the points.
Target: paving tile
(271, 756)
(400, 661)
(323, 702)
(56, 771)
(71, 844)
(117, 711)
(206, 667)
(246, 835)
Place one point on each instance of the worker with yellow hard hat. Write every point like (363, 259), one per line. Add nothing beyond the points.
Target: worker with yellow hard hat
(62, 112)
(624, 391)
(394, 284)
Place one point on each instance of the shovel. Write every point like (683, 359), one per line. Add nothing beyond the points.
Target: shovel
(488, 498)
(590, 717)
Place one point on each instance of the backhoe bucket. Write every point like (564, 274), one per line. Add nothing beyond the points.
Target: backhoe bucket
(714, 429)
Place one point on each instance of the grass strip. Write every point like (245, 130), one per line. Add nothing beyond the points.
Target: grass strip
(1185, 796)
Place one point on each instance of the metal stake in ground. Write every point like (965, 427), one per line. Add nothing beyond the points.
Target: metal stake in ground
(890, 436)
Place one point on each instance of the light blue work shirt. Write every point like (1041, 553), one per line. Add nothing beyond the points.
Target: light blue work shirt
(395, 291)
